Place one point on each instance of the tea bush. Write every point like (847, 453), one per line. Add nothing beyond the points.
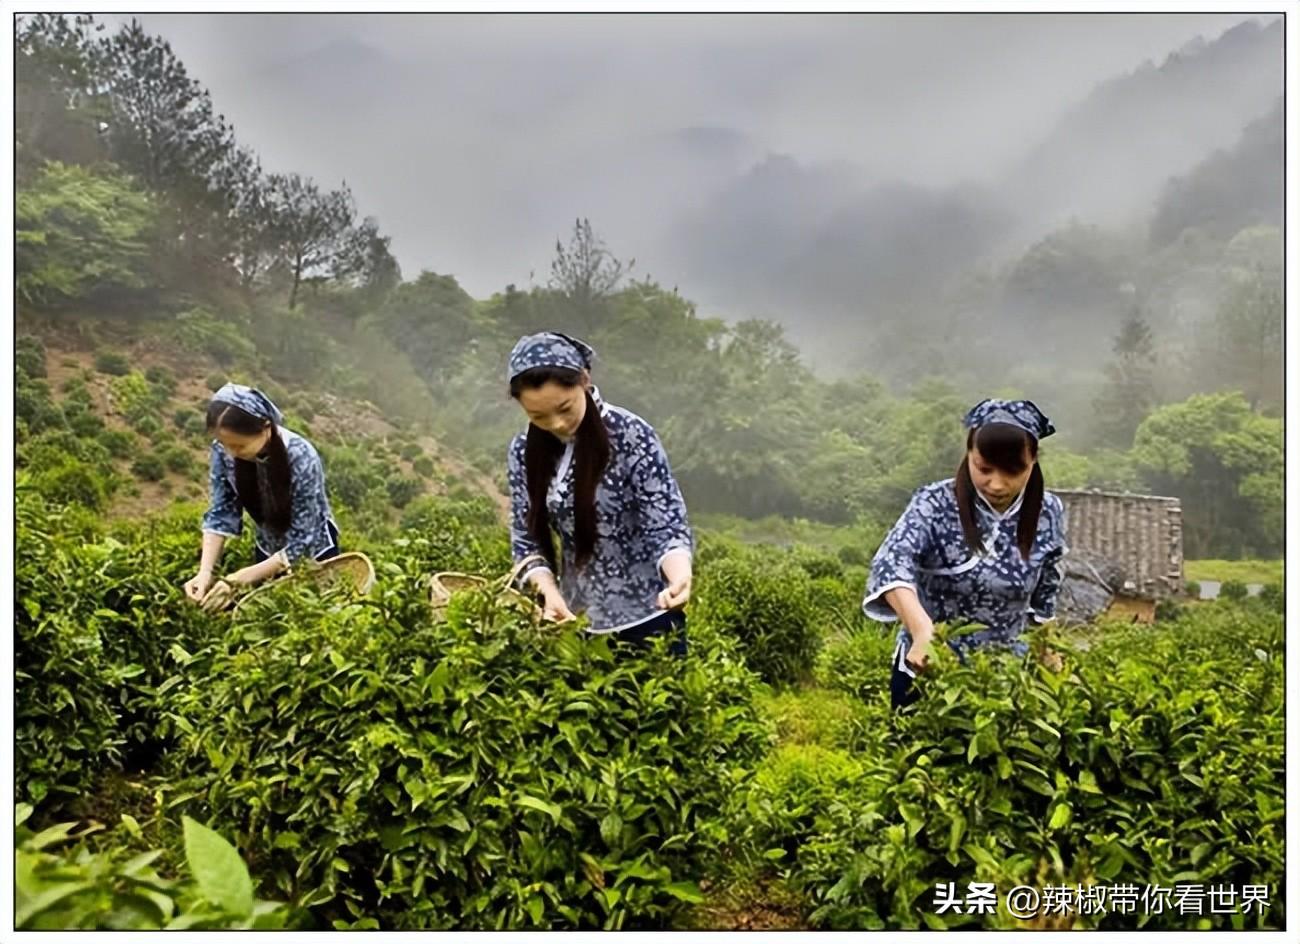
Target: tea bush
(70, 480)
(1273, 595)
(1233, 590)
(136, 398)
(113, 363)
(60, 883)
(85, 424)
(823, 717)
(349, 474)
(202, 332)
(1156, 757)
(423, 466)
(858, 664)
(788, 800)
(474, 773)
(93, 637)
(149, 466)
(29, 356)
(402, 489)
(161, 379)
(65, 723)
(119, 443)
(35, 406)
(179, 460)
(765, 602)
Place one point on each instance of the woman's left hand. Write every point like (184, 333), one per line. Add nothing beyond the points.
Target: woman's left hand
(219, 597)
(675, 595)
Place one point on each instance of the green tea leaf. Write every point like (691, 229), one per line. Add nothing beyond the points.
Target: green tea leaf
(221, 875)
(542, 806)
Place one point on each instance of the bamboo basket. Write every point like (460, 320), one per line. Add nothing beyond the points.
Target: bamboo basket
(352, 570)
(442, 585)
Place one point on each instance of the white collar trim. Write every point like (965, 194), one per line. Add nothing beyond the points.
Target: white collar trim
(1001, 515)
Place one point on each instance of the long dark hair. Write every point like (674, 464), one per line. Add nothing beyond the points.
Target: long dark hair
(542, 452)
(274, 505)
(1004, 447)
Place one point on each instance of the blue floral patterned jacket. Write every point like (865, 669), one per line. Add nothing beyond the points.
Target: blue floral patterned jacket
(926, 550)
(640, 519)
(308, 533)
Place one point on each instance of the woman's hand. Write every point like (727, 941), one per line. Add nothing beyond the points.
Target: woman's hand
(219, 597)
(676, 568)
(196, 588)
(918, 653)
(555, 609)
(904, 602)
(675, 595)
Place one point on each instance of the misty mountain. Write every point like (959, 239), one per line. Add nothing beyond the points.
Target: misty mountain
(1230, 190)
(1109, 156)
(820, 249)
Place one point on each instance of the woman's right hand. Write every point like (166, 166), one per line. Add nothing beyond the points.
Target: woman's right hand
(555, 609)
(918, 653)
(197, 587)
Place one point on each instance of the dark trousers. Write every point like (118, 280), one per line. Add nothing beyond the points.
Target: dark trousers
(669, 622)
(332, 551)
(901, 690)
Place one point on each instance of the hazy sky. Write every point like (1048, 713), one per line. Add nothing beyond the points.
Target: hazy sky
(476, 139)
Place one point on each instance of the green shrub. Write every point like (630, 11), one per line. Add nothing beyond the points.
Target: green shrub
(1156, 754)
(858, 664)
(136, 398)
(1168, 611)
(817, 564)
(786, 803)
(161, 379)
(149, 466)
(65, 724)
(61, 883)
(148, 427)
(178, 459)
(202, 332)
(53, 446)
(765, 603)
(29, 356)
(82, 234)
(1273, 595)
(349, 474)
(215, 381)
(71, 480)
(112, 362)
(1233, 590)
(96, 624)
(474, 773)
(410, 451)
(424, 466)
(447, 534)
(819, 716)
(34, 405)
(851, 555)
(1193, 589)
(119, 443)
(402, 489)
(86, 424)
